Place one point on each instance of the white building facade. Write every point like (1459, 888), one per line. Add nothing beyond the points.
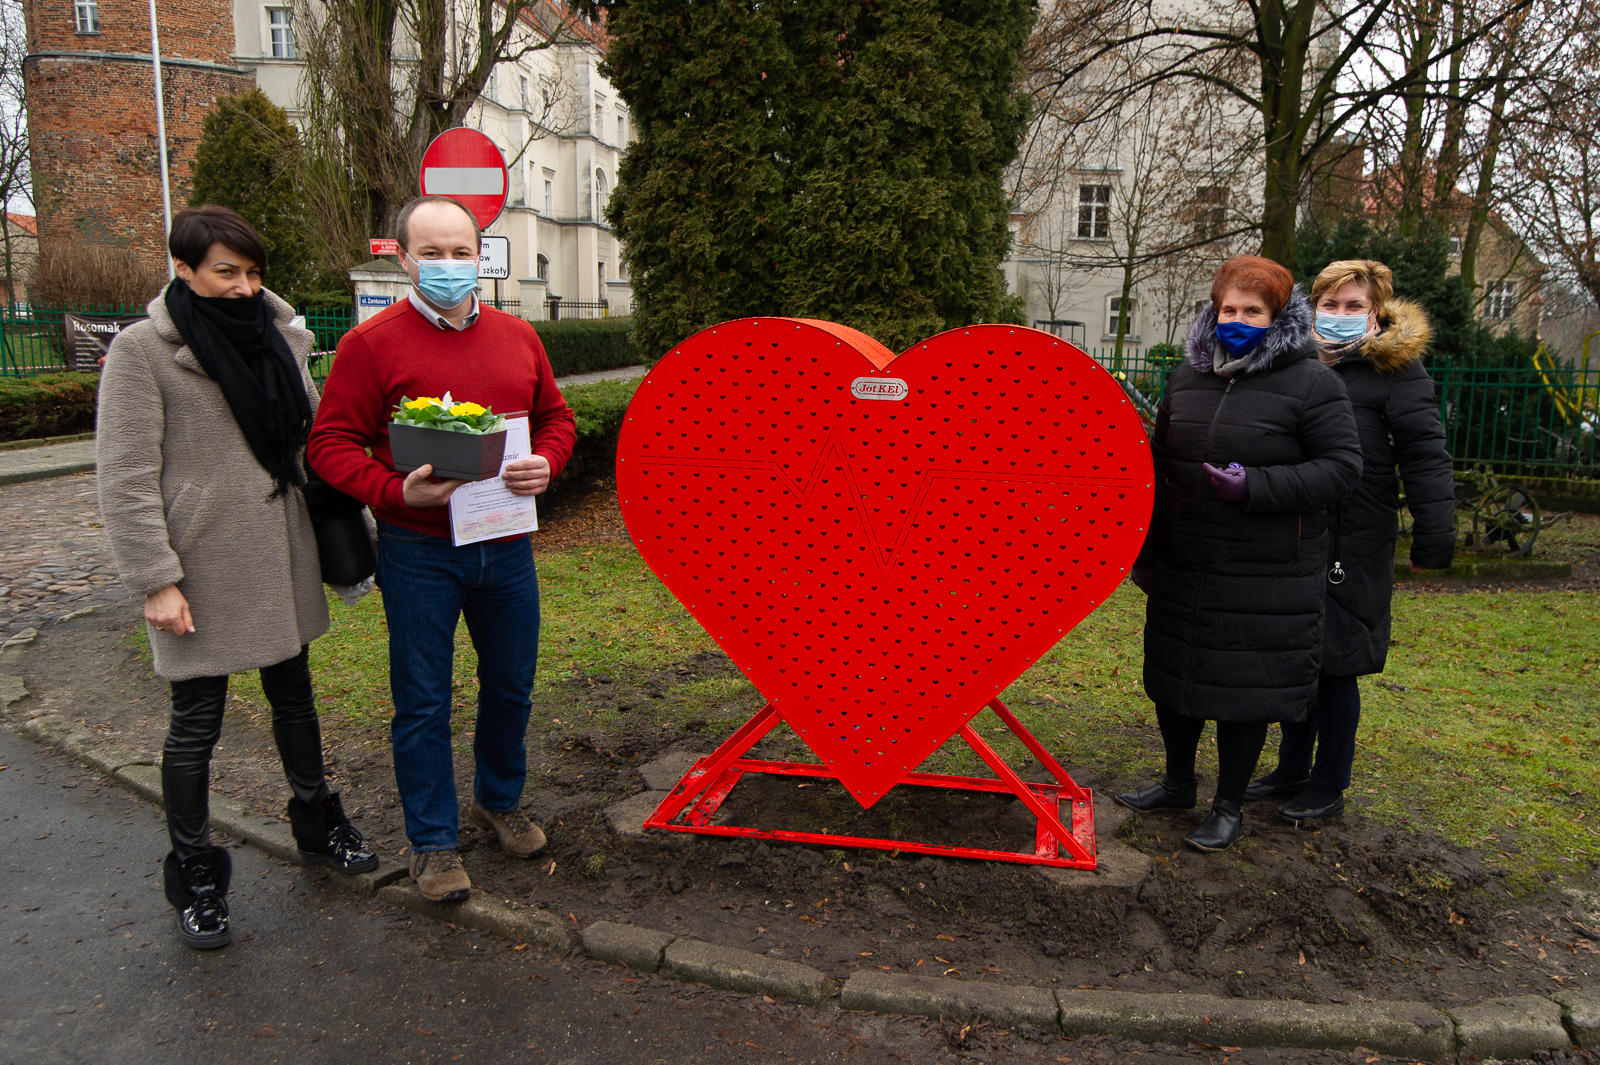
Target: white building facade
(562, 129)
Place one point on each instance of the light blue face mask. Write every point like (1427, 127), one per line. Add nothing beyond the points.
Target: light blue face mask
(446, 282)
(1341, 327)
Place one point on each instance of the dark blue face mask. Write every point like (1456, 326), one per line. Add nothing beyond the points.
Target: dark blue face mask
(1239, 338)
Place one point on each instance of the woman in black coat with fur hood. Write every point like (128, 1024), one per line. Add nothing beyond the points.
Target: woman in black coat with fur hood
(1375, 343)
(1254, 441)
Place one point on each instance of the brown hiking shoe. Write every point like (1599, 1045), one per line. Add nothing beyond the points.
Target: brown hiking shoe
(439, 876)
(519, 836)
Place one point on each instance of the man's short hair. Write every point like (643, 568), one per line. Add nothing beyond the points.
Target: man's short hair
(195, 230)
(402, 221)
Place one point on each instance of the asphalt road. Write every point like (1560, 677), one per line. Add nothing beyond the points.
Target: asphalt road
(91, 969)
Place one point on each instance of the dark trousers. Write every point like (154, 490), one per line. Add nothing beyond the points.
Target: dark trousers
(1330, 729)
(197, 707)
(1239, 746)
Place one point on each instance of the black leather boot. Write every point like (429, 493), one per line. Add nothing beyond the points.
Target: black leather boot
(325, 836)
(1275, 785)
(1162, 795)
(197, 887)
(1219, 831)
(1311, 806)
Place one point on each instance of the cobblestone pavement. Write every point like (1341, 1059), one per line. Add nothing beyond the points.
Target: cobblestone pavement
(54, 557)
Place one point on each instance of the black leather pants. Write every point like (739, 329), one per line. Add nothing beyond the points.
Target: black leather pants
(197, 707)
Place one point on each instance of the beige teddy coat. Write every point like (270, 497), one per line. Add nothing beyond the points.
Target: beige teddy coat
(185, 502)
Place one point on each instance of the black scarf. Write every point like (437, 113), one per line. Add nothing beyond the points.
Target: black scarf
(238, 344)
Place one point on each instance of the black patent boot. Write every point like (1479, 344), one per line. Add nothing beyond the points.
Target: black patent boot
(325, 836)
(197, 887)
(1221, 830)
(1162, 795)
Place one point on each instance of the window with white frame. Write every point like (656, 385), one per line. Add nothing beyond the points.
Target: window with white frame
(1116, 314)
(280, 32)
(1499, 300)
(87, 13)
(1094, 212)
(549, 194)
(599, 129)
(522, 92)
(1210, 212)
(622, 127)
(541, 268)
(600, 193)
(1455, 247)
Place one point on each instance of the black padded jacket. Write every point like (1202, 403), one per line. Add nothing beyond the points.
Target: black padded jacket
(1397, 415)
(1233, 626)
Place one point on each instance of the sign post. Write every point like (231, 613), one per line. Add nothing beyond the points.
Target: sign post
(466, 165)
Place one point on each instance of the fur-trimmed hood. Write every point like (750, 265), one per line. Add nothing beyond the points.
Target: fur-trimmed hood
(1404, 338)
(1287, 340)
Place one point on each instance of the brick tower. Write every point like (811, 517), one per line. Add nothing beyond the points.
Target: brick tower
(91, 111)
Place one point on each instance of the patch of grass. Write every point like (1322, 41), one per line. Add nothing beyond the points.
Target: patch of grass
(1485, 727)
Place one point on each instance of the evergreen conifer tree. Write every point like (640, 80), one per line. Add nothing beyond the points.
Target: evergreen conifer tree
(836, 159)
(245, 160)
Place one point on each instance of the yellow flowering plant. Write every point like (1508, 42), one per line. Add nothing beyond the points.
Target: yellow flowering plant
(428, 412)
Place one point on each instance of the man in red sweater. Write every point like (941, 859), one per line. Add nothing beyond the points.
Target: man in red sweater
(441, 340)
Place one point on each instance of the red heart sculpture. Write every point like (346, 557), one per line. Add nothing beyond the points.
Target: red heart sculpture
(883, 543)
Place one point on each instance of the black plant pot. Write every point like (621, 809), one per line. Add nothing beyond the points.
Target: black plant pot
(454, 456)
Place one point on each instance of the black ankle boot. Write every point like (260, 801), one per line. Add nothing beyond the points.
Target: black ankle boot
(1162, 795)
(325, 836)
(1219, 831)
(1276, 785)
(197, 887)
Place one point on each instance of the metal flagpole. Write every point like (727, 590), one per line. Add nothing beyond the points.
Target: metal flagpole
(161, 131)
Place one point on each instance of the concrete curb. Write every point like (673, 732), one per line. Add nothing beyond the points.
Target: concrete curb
(1510, 1027)
(956, 1000)
(1402, 1029)
(40, 473)
(740, 970)
(486, 915)
(1580, 1012)
(1496, 1028)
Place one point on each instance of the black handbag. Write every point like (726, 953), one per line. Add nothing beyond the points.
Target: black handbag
(340, 525)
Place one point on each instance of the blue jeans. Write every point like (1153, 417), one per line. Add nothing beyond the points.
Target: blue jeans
(428, 585)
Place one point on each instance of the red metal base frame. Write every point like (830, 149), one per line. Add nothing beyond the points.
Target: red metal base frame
(692, 804)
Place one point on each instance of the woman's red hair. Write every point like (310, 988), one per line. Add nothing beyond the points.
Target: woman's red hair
(1258, 276)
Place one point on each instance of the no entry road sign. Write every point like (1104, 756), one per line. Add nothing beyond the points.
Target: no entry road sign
(467, 165)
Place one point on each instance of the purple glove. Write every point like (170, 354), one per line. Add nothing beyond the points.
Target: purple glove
(1230, 483)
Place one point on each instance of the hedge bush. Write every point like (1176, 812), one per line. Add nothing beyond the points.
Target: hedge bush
(598, 408)
(586, 346)
(53, 404)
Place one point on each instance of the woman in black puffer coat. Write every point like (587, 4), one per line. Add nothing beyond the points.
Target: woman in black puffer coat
(1375, 344)
(1253, 442)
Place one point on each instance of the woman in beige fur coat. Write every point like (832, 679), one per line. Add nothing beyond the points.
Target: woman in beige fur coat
(204, 410)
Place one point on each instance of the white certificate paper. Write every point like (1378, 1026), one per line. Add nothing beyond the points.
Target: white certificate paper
(487, 509)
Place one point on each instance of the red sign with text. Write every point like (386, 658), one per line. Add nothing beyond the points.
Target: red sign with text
(466, 165)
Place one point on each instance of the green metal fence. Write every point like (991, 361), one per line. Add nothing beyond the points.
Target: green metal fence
(33, 338)
(1539, 420)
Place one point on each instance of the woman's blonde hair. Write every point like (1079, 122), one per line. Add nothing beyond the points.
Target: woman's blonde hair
(1375, 275)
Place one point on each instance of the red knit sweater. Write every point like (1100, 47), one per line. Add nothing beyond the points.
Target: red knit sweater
(498, 361)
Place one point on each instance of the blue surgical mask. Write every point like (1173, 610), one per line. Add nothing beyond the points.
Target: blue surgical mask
(1341, 327)
(446, 282)
(1239, 338)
